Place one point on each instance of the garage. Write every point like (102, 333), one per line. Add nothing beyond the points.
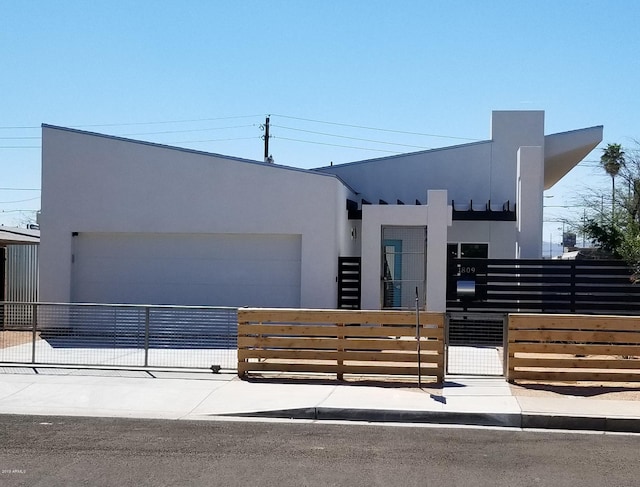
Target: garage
(260, 270)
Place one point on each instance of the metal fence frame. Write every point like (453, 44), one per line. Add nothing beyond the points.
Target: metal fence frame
(121, 335)
(473, 337)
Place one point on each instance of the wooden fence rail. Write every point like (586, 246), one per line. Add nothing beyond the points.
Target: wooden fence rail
(340, 342)
(574, 348)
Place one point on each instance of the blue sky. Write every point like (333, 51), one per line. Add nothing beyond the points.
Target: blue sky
(215, 69)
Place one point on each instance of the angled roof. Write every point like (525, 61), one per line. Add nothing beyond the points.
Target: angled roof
(182, 149)
(399, 156)
(563, 151)
(11, 236)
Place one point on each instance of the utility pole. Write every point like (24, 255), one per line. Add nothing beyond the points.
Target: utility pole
(265, 137)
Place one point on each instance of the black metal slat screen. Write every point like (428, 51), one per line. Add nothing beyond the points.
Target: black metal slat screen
(349, 287)
(546, 286)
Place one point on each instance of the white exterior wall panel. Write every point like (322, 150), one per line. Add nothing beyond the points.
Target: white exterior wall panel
(225, 270)
(98, 184)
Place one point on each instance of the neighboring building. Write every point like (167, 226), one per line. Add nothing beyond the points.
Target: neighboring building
(18, 273)
(19, 264)
(134, 222)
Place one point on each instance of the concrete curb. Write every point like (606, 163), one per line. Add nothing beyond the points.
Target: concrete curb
(506, 420)
(581, 423)
(388, 416)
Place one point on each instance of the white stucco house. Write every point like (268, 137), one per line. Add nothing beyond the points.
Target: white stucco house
(126, 221)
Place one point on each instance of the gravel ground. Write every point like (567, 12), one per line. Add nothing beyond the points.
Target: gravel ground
(13, 338)
(622, 391)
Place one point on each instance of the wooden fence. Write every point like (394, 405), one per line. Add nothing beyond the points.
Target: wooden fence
(574, 348)
(340, 342)
(544, 286)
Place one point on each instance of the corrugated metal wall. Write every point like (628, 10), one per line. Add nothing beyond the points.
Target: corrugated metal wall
(21, 281)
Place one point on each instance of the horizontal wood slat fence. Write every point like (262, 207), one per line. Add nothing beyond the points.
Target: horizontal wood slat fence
(340, 342)
(574, 348)
(544, 286)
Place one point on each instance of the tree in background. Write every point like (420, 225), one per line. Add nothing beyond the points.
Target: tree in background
(618, 232)
(612, 160)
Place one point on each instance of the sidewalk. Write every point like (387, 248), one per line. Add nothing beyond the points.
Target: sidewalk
(206, 396)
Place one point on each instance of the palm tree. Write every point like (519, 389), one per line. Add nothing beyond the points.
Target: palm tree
(612, 159)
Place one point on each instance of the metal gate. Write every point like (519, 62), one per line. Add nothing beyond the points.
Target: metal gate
(125, 335)
(403, 265)
(475, 344)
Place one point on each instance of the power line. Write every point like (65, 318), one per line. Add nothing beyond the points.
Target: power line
(377, 128)
(187, 131)
(336, 145)
(137, 123)
(20, 147)
(350, 138)
(165, 121)
(20, 138)
(19, 201)
(213, 140)
(20, 128)
(20, 189)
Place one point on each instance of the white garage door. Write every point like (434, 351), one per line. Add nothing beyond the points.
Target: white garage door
(187, 269)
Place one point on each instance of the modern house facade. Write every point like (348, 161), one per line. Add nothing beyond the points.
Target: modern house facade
(125, 221)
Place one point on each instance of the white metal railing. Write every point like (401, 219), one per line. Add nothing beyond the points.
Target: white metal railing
(119, 335)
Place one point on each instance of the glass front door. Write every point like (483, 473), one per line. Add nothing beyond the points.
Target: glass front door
(392, 277)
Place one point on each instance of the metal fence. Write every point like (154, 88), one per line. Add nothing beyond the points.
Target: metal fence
(119, 335)
(21, 278)
(475, 344)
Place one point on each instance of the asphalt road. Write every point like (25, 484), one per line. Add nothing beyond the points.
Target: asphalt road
(56, 451)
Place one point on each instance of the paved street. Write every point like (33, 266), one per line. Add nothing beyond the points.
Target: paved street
(66, 451)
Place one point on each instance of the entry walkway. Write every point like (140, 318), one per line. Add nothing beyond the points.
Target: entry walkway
(478, 360)
(206, 396)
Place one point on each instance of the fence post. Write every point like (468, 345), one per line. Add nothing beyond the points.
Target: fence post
(445, 345)
(573, 286)
(34, 322)
(505, 345)
(418, 340)
(146, 335)
(340, 350)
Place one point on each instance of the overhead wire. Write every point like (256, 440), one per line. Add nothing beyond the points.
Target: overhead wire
(20, 147)
(336, 145)
(122, 124)
(350, 138)
(20, 138)
(325, 134)
(377, 128)
(20, 189)
(188, 131)
(213, 140)
(19, 201)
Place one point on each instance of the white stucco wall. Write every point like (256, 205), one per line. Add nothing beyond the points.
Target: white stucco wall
(530, 177)
(478, 172)
(463, 170)
(93, 183)
(511, 130)
(436, 216)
